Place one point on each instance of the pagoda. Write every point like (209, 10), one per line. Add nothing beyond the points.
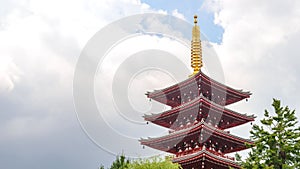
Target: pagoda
(198, 120)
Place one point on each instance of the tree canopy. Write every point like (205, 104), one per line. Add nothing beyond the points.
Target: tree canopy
(151, 163)
(154, 163)
(120, 163)
(277, 141)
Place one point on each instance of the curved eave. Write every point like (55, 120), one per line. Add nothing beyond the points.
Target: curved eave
(203, 153)
(240, 92)
(158, 93)
(200, 125)
(155, 117)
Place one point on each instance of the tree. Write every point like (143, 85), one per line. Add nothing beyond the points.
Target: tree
(150, 163)
(277, 141)
(154, 163)
(120, 163)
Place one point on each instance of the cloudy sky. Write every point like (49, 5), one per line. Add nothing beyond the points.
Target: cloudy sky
(257, 44)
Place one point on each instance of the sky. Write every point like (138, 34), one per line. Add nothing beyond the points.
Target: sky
(41, 42)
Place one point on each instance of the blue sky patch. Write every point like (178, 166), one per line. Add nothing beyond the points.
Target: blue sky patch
(212, 31)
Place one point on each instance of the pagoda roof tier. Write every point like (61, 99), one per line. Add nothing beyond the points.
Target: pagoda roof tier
(205, 159)
(190, 88)
(201, 134)
(195, 110)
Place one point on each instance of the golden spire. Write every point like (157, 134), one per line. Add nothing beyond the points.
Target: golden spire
(196, 50)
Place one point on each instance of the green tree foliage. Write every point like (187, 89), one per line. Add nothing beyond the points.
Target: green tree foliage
(154, 163)
(120, 163)
(277, 141)
(150, 163)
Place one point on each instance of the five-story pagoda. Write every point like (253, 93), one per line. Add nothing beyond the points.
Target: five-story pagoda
(198, 119)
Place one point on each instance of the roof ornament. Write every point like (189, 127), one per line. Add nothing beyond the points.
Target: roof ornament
(196, 49)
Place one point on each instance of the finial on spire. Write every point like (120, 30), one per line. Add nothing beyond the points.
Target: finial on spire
(196, 49)
(195, 19)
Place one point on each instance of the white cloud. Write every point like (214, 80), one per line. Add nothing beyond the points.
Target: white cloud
(178, 14)
(30, 25)
(26, 127)
(40, 43)
(9, 74)
(260, 51)
(39, 38)
(258, 39)
(127, 50)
